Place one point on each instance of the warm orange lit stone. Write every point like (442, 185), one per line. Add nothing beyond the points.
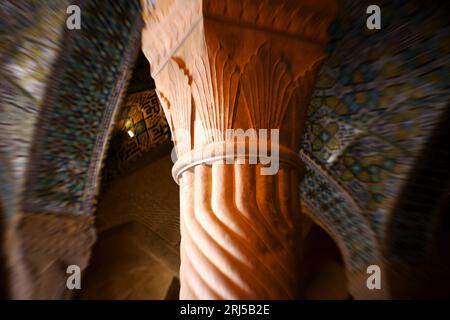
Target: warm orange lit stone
(237, 64)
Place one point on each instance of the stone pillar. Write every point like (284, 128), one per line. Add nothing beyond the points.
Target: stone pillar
(40, 248)
(237, 64)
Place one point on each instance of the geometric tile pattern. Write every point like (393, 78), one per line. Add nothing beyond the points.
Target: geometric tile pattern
(140, 126)
(341, 217)
(378, 99)
(88, 83)
(30, 40)
(142, 114)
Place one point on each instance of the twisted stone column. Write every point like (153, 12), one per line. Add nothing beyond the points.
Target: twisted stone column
(249, 66)
(239, 233)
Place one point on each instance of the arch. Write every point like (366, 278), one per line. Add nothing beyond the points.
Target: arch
(72, 131)
(69, 117)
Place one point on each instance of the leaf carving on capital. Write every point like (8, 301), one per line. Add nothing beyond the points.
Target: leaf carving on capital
(267, 88)
(170, 23)
(273, 97)
(215, 88)
(174, 92)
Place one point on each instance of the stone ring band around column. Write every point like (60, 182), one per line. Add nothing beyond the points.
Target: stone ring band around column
(219, 152)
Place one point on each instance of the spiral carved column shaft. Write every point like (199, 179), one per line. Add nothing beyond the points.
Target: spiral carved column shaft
(240, 233)
(237, 65)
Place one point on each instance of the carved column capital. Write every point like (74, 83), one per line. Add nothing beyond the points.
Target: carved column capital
(170, 23)
(235, 63)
